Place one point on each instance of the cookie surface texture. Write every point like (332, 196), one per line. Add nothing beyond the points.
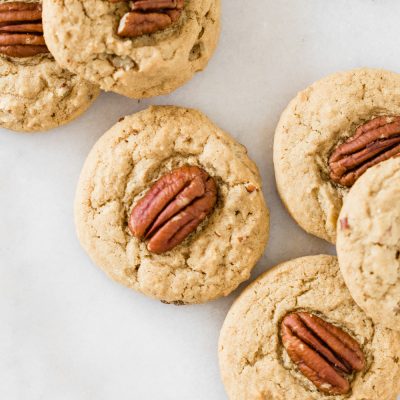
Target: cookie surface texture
(35, 93)
(254, 364)
(83, 36)
(368, 242)
(319, 119)
(212, 261)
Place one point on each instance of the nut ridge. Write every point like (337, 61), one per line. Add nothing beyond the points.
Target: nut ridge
(21, 30)
(323, 352)
(173, 208)
(372, 143)
(149, 16)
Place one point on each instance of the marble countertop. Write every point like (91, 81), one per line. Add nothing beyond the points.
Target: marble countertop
(68, 332)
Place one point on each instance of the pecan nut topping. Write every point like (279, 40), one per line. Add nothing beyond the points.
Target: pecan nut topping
(372, 143)
(323, 352)
(21, 30)
(149, 16)
(173, 208)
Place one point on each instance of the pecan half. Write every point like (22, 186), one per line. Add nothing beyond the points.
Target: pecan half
(149, 16)
(372, 143)
(323, 352)
(21, 30)
(173, 208)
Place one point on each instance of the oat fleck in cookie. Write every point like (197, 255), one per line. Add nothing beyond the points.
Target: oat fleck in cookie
(296, 333)
(368, 243)
(36, 94)
(171, 206)
(328, 137)
(139, 48)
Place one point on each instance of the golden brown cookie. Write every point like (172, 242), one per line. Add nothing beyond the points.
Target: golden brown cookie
(135, 48)
(328, 136)
(368, 243)
(296, 333)
(170, 205)
(35, 93)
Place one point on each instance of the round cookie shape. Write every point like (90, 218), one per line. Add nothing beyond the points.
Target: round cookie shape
(83, 37)
(317, 120)
(37, 94)
(254, 363)
(119, 171)
(368, 243)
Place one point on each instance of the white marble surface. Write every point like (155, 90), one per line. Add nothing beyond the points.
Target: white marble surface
(69, 333)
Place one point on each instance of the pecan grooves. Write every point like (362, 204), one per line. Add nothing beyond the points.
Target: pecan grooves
(173, 208)
(372, 143)
(149, 16)
(21, 30)
(323, 352)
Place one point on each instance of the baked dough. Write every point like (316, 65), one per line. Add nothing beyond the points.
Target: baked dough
(315, 121)
(254, 364)
(368, 243)
(81, 34)
(36, 94)
(121, 167)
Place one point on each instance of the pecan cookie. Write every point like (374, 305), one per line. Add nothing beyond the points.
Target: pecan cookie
(296, 333)
(328, 136)
(171, 206)
(368, 242)
(138, 48)
(36, 94)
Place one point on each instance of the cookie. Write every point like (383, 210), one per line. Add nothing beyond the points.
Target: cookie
(328, 136)
(268, 340)
(174, 164)
(368, 243)
(133, 48)
(35, 93)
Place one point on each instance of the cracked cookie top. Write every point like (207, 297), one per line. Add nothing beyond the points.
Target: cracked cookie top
(138, 49)
(130, 158)
(254, 362)
(368, 242)
(36, 94)
(328, 136)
